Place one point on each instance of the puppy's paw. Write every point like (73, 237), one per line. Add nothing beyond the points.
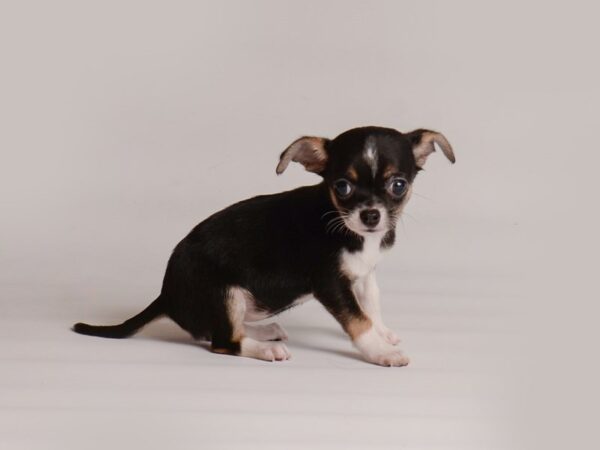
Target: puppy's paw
(267, 351)
(376, 350)
(389, 336)
(274, 351)
(269, 332)
(389, 359)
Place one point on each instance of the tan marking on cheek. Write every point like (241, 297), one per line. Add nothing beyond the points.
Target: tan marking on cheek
(356, 326)
(334, 200)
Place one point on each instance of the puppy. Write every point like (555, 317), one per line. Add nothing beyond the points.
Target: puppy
(267, 254)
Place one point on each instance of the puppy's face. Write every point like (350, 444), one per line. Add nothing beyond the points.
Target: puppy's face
(369, 175)
(369, 171)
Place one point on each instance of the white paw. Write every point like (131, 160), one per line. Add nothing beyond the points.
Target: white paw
(267, 351)
(274, 351)
(389, 359)
(389, 336)
(376, 350)
(269, 332)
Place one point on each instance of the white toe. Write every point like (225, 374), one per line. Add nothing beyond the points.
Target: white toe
(392, 359)
(267, 351)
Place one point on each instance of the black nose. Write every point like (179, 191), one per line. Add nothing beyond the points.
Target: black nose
(370, 217)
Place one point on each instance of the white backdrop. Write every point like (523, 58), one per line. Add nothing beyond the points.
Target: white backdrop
(123, 124)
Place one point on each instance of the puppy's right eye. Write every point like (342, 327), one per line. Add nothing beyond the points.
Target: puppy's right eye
(343, 188)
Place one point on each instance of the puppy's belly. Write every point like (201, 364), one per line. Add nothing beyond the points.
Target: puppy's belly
(255, 312)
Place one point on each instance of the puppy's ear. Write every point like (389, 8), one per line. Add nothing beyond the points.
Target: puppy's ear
(308, 151)
(423, 141)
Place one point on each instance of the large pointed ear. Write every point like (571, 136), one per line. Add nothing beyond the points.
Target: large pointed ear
(308, 151)
(423, 141)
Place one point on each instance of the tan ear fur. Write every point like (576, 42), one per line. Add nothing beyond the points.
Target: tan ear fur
(423, 145)
(308, 151)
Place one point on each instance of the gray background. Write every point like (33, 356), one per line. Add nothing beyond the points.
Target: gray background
(123, 124)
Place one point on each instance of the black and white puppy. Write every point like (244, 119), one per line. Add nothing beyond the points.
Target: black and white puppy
(264, 255)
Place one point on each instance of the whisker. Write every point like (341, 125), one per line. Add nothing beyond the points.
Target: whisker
(333, 224)
(403, 225)
(422, 196)
(411, 217)
(337, 224)
(329, 212)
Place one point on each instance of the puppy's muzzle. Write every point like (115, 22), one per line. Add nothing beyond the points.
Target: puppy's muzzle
(370, 217)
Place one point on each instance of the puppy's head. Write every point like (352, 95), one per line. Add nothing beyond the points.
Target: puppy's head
(369, 171)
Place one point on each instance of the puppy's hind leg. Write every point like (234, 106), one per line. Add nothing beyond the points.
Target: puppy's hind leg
(229, 333)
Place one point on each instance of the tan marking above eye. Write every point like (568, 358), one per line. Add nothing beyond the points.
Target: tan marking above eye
(352, 174)
(389, 171)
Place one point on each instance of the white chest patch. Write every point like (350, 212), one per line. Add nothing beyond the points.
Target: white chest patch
(359, 264)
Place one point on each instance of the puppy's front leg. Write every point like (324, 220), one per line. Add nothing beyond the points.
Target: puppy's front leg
(340, 301)
(367, 292)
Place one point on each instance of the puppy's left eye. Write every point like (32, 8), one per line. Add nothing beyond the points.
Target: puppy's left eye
(343, 188)
(397, 186)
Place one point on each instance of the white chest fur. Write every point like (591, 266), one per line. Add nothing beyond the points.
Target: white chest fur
(360, 263)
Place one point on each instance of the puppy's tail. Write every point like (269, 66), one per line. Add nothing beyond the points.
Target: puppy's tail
(127, 328)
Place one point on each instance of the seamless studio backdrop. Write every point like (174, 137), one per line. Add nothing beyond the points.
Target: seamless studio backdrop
(123, 124)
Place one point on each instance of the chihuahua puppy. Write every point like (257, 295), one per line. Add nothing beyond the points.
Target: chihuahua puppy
(267, 254)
